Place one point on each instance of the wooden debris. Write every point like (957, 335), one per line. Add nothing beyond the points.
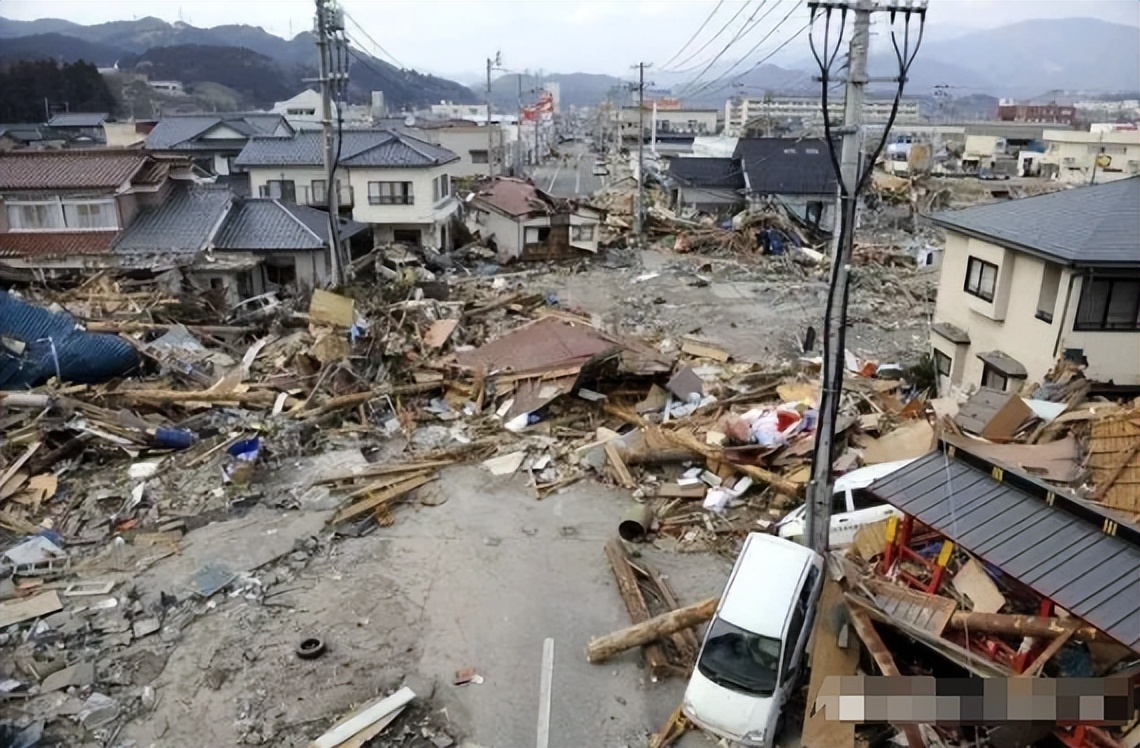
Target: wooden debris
(635, 604)
(363, 719)
(18, 611)
(621, 472)
(332, 308)
(383, 497)
(605, 647)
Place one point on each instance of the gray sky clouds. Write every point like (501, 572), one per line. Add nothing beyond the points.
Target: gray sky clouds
(454, 37)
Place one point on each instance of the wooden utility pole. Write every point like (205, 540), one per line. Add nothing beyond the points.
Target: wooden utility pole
(639, 216)
(329, 21)
(491, 64)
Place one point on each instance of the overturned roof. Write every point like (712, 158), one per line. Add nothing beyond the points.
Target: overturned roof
(513, 196)
(1094, 225)
(360, 148)
(266, 224)
(102, 168)
(724, 173)
(786, 166)
(1065, 549)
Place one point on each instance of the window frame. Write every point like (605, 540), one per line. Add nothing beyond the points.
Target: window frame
(386, 193)
(1087, 286)
(939, 357)
(283, 194)
(979, 290)
(1046, 315)
(988, 371)
(59, 208)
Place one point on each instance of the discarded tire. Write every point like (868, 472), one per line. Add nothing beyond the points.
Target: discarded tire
(310, 648)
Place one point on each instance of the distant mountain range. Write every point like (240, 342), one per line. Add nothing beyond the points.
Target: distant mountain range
(1020, 60)
(260, 66)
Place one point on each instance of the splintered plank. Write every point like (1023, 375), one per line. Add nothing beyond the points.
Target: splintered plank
(635, 603)
(380, 498)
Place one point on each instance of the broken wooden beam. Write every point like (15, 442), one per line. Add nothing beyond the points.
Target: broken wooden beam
(604, 647)
(635, 603)
(861, 622)
(776, 481)
(199, 396)
(1020, 625)
(381, 498)
(126, 326)
(364, 719)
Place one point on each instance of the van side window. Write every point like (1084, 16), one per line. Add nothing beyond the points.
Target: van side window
(809, 585)
(839, 502)
(793, 639)
(864, 499)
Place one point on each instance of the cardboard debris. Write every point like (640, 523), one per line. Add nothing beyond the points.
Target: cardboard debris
(439, 332)
(993, 414)
(973, 582)
(1057, 461)
(332, 309)
(911, 439)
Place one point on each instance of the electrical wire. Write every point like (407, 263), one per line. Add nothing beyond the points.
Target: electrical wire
(695, 34)
(375, 43)
(713, 87)
(707, 43)
(744, 30)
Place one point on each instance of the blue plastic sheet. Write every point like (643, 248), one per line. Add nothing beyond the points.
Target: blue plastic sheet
(40, 345)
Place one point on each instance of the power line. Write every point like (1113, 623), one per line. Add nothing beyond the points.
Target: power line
(710, 85)
(747, 28)
(710, 41)
(375, 43)
(695, 33)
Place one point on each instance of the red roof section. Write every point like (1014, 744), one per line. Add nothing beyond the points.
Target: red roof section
(513, 196)
(50, 244)
(71, 169)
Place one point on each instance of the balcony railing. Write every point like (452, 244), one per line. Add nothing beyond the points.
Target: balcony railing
(318, 198)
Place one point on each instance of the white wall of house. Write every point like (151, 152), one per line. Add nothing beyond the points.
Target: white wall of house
(506, 232)
(1011, 323)
(1072, 154)
(423, 209)
(463, 141)
(302, 177)
(689, 196)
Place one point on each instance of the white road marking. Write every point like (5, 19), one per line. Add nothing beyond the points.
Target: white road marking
(544, 694)
(556, 170)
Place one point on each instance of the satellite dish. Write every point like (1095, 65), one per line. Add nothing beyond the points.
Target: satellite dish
(410, 120)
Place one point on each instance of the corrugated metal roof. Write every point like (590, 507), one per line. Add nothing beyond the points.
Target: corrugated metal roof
(786, 166)
(377, 148)
(1095, 225)
(71, 169)
(707, 172)
(1064, 555)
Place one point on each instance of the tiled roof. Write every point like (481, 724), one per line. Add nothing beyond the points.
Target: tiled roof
(78, 119)
(1096, 225)
(266, 224)
(180, 132)
(44, 244)
(513, 196)
(72, 169)
(707, 172)
(25, 132)
(786, 166)
(182, 224)
(377, 148)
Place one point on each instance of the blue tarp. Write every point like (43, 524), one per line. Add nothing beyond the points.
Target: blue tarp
(53, 345)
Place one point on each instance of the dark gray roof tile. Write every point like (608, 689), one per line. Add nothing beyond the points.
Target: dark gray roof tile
(707, 172)
(1094, 225)
(183, 224)
(786, 166)
(266, 224)
(361, 148)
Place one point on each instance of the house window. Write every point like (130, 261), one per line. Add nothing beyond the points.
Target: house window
(280, 189)
(1109, 304)
(981, 278)
(319, 194)
(1047, 296)
(440, 188)
(35, 216)
(478, 157)
(942, 362)
(390, 193)
(583, 232)
(537, 234)
(62, 215)
(993, 378)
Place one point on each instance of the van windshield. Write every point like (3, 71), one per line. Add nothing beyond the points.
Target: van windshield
(740, 660)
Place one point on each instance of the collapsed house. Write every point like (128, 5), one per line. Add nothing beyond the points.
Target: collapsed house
(521, 222)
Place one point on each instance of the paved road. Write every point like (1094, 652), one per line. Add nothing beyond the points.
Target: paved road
(570, 177)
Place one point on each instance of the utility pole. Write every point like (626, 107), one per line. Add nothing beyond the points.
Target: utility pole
(851, 169)
(518, 170)
(490, 134)
(639, 217)
(329, 21)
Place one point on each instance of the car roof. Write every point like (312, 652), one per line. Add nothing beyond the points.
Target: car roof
(764, 584)
(865, 476)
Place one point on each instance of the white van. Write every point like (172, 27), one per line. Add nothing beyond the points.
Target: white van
(752, 656)
(851, 506)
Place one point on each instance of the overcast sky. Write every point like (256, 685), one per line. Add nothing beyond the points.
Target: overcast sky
(454, 37)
